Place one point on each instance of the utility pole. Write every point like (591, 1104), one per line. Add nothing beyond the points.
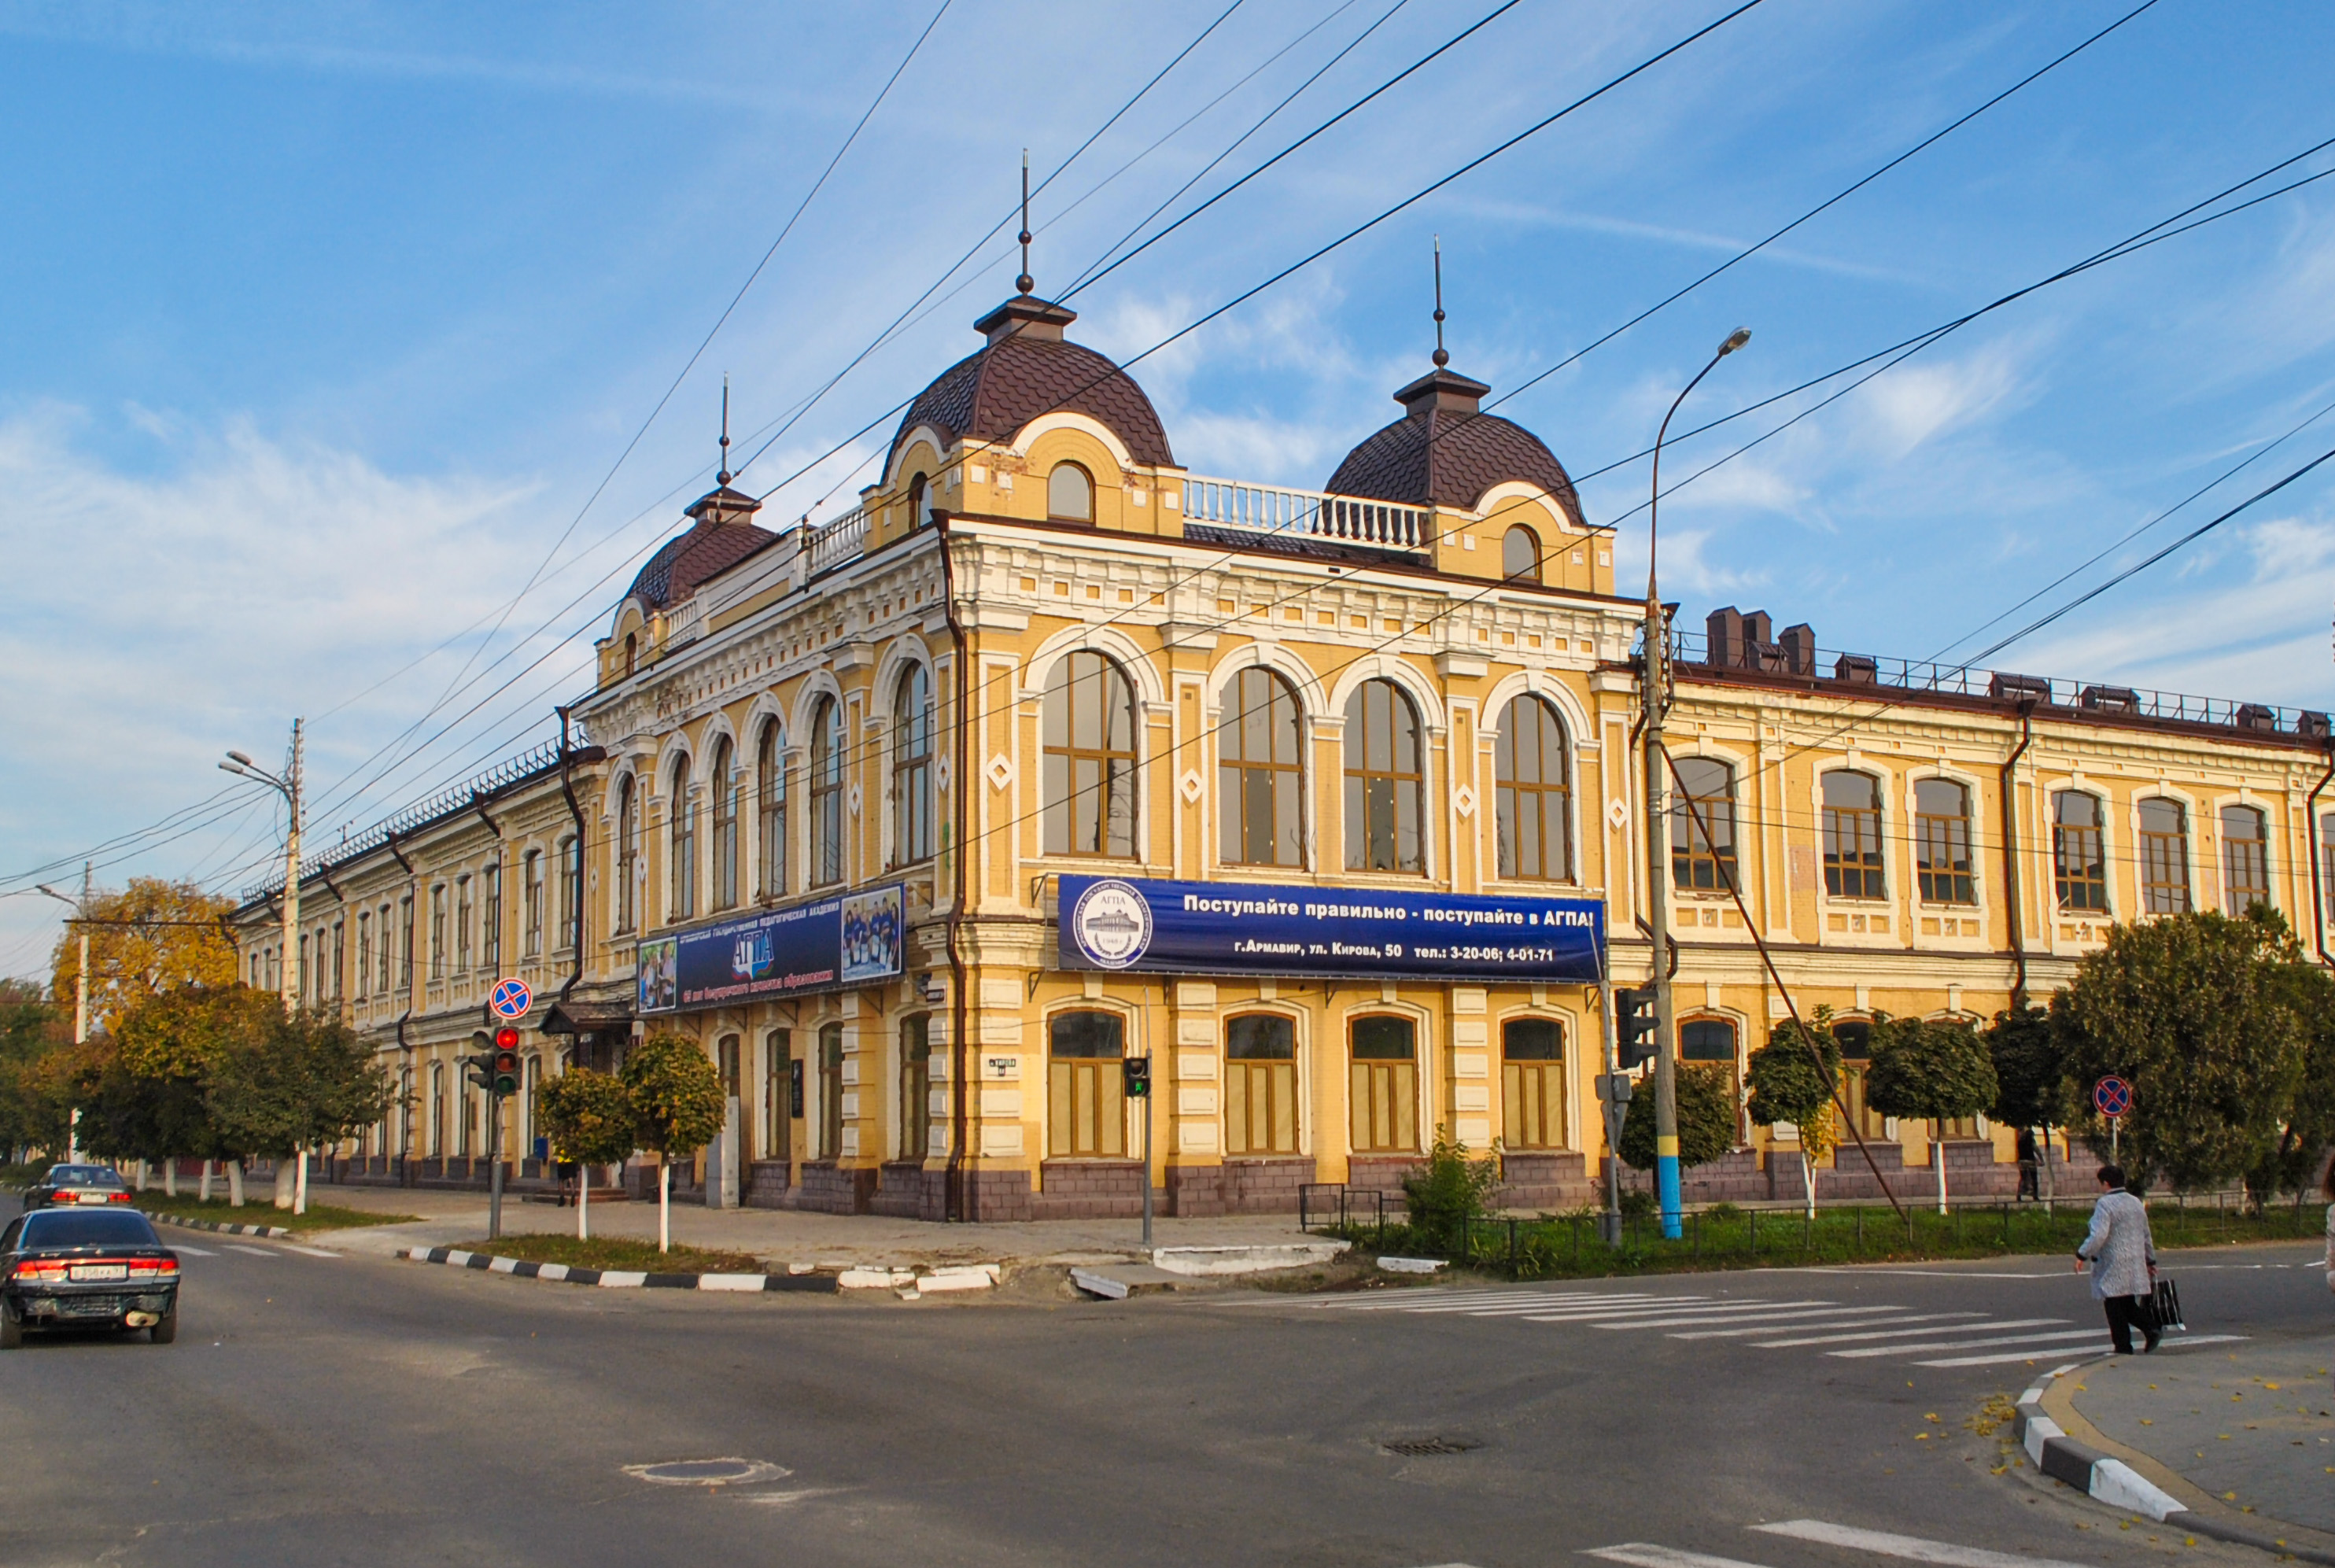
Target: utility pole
(288, 785)
(1658, 874)
(80, 993)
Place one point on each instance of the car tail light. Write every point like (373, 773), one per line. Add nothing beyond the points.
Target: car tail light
(34, 1269)
(119, 1198)
(153, 1266)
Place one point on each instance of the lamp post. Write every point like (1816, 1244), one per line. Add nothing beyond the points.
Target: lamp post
(287, 786)
(80, 1014)
(1658, 874)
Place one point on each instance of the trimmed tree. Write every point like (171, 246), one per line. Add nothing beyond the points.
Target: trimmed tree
(2308, 1126)
(589, 1119)
(293, 1083)
(677, 1105)
(1791, 1079)
(1937, 1069)
(1706, 1118)
(2189, 1008)
(170, 1043)
(2031, 1078)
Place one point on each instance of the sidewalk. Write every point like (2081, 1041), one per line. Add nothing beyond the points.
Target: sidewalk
(783, 1236)
(2251, 1430)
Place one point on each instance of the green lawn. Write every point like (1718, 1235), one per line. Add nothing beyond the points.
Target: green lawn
(258, 1210)
(618, 1252)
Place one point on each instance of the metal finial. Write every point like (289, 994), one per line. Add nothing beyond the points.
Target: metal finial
(1025, 283)
(1441, 358)
(722, 477)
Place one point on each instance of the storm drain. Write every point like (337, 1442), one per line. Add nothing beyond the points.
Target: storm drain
(1419, 1447)
(707, 1472)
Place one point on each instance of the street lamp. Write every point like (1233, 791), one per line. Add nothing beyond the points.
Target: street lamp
(81, 1013)
(1658, 875)
(288, 785)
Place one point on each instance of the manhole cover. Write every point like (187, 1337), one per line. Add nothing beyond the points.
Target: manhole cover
(706, 1472)
(1417, 1448)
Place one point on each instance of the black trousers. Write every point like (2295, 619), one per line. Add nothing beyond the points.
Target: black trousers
(2127, 1313)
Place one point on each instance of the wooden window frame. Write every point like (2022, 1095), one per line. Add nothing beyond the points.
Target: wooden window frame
(1698, 818)
(1377, 782)
(2245, 860)
(1533, 1090)
(916, 1087)
(1854, 860)
(724, 782)
(830, 1091)
(1090, 779)
(1376, 1084)
(628, 853)
(2080, 860)
(826, 772)
(680, 829)
(771, 803)
(2163, 858)
(1263, 692)
(1545, 798)
(1944, 870)
(1261, 1090)
(1086, 1092)
(913, 805)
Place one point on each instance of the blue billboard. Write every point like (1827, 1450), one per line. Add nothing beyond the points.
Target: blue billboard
(1142, 925)
(828, 945)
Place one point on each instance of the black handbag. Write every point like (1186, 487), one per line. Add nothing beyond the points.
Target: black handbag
(2165, 1305)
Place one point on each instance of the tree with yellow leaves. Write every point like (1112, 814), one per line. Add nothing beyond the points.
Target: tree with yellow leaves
(150, 937)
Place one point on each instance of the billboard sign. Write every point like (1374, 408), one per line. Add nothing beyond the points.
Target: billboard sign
(827, 945)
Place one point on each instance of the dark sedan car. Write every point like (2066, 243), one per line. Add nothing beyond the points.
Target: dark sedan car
(65, 1268)
(76, 1185)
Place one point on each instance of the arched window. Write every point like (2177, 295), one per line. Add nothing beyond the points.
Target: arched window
(781, 1094)
(917, 516)
(683, 813)
(1385, 781)
(1942, 842)
(437, 1110)
(632, 654)
(1854, 1038)
(726, 784)
(1520, 554)
(770, 797)
(1070, 494)
(2246, 857)
(1260, 1085)
(1258, 776)
(916, 1085)
(528, 1107)
(1703, 826)
(912, 767)
(571, 893)
(1089, 731)
(1852, 836)
(1383, 1096)
(1533, 805)
(491, 922)
(628, 853)
(826, 791)
(2164, 856)
(830, 1091)
(1086, 1104)
(2078, 853)
(1712, 1039)
(531, 891)
(1532, 1083)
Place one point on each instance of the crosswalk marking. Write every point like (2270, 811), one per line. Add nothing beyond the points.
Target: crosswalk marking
(1500, 1303)
(255, 1252)
(1642, 1554)
(1912, 1547)
(1740, 1316)
(1850, 1318)
(1896, 1333)
(1583, 1314)
(2101, 1346)
(197, 1252)
(1963, 1344)
(310, 1252)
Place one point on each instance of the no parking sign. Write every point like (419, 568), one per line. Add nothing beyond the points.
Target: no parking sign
(510, 999)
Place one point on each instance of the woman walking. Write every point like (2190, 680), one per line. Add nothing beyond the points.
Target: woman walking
(2124, 1261)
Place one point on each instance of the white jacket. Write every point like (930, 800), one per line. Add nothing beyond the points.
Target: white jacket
(2118, 1246)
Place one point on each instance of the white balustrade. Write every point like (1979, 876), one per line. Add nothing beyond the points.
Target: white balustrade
(1313, 514)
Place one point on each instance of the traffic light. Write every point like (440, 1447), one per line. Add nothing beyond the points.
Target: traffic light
(1634, 1013)
(503, 1067)
(1138, 1069)
(480, 1068)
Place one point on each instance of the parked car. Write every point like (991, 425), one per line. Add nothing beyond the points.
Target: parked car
(78, 1268)
(76, 1185)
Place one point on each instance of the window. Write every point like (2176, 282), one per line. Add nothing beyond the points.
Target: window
(1520, 554)
(491, 930)
(1532, 1083)
(1070, 494)
(1942, 842)
(1384, 1091)
(1086, 1096)
(1712, 1039)
(340, 957)
(632, 654)
(1260, 1086)
(254, 972)
(917, 516)
(531, 883)
(571, 893)
(912, 767)
(726, 782)
(437, 1110)
(1852, 836)
(1533, 810)
(405, 942)
(1089, 733)
(916, 1085)
(628, 851)
(2078, 855)
(1385, 781)
(1259, 775)
(826, 792)
(683, 905)
(830, 1091)
(2164, 856)
(781, 1094)
(2327, 863)
(1703, 826)
(771, 793)
(364, 952)
(727, 1067)
(438, 932)
(528, 1107)
(2246, 857)
(300, 989)
(462, 925)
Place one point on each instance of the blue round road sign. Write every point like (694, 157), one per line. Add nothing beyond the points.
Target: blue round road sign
(2112, 1097)
(511, 999)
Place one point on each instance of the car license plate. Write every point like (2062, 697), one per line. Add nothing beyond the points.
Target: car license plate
(100, 1271)
(91, 1198)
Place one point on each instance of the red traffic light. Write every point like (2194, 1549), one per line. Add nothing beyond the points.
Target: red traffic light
(507, 1038)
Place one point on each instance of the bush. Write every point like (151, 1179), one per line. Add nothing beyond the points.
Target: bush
(1448, 1191)
(1637, 1204)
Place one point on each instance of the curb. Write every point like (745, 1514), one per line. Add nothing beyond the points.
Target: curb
(2109, 1480)
(278, 1232)
(617, 1279)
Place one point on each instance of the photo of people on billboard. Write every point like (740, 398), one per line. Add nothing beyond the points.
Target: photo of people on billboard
(659, 971)
(871, 934)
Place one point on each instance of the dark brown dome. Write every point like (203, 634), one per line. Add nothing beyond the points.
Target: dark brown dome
(1028, 369)
(1444, 451)
(721, 538)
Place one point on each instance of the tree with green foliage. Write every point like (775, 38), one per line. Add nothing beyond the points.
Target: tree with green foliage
(2193, 1011)
(1706, 1118)
(589, 1119)
(298, 1080)
(1937, 1069)
(167, 1047)
(2307, 1127)
(1792, 1078)
(2030, 1076)
(31, 1030)
(678, 1106)
(1447, 1190)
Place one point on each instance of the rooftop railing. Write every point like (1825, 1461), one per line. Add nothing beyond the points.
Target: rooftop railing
(836, 543)
(1310, 513)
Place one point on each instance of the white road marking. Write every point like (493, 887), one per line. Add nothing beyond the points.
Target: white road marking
(196, 1252)
(1743, 1317)
(2039, 1341)
(1876, 1270)
(1640, 1555)
(1720, 1309)
(1912, 1547)
(1488, 1302)
(2102, 1349)
(1863, 1316)
(1913, 1333)
(255, 1252)
(311, 1252)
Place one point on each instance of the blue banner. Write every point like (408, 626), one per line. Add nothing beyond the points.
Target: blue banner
(828, 945)
(1142, 925)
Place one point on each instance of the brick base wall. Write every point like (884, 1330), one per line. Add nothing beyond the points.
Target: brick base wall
(1383, 1171)
(768, 1186)
(1087, 1189)
(1238, 1186)
(833, 1189)
(900, 1190)
(1543, 1179)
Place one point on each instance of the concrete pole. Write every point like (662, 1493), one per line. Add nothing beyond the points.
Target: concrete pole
(81, 1034)
(291, 940)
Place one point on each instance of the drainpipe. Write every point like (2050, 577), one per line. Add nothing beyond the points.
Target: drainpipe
(2318, 894)
(405, 1107)
(567, 787)
(2011, 856)
(956, 1200)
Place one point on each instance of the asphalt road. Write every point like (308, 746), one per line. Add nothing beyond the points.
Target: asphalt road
(326, 1409)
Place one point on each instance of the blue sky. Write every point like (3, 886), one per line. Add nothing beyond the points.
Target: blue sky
(325, 321)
